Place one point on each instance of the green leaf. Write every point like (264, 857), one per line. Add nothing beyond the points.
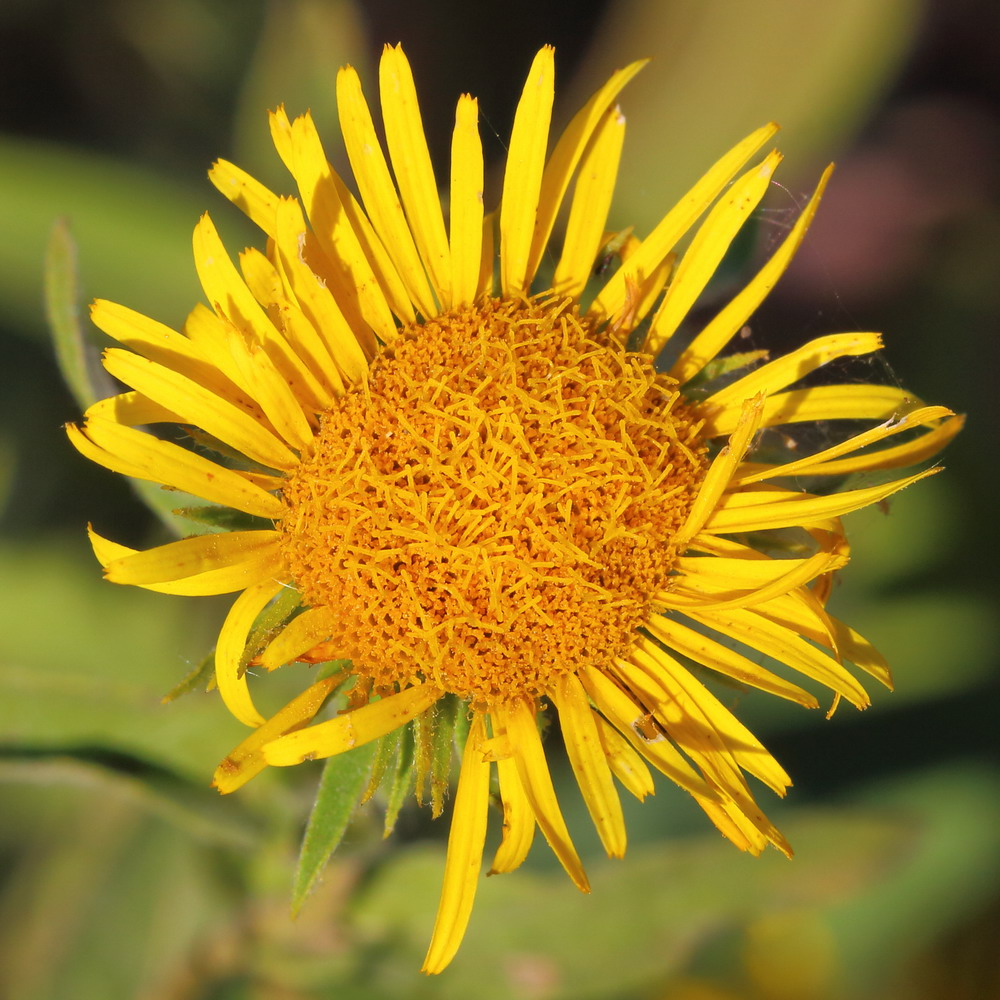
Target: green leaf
(402, 782)
(78, 360)
(200, 677)
(340, 788)
(446, 711)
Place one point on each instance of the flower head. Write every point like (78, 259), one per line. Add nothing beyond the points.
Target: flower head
(483, 494)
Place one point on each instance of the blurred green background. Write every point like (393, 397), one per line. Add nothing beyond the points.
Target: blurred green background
(123, 875)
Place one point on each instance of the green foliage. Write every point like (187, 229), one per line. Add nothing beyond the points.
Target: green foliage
(344, 779)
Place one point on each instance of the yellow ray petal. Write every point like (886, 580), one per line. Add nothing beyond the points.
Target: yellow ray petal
(200, 407)
(709, 245)
(246, 761)
(191, 557)
(627, 716)
(132, 409)
(229, 678)
(785, 646)
(724, 660)
(576, 137)
(707, 589)
(518, 818)
(266, 565)
(256, 201)
(466, 203)
(796, 364)
(676, 223)
(411, 164)
(314, 298)
(918, 450)
(487, 261)
(722, 470)
(465, 852)
(691, 700)
(859, 651)
(758, 511)
(820, 402)
(595, 185)
(518, 719)
(522, 179)
(276, 399)
(228, 294)
(732, 317)
(166, 347)
(133, 453)
(590, 764)
(302, 633)
(628, 767)
(268, 286)
(371, 173)
(350, 272)
(353, 728)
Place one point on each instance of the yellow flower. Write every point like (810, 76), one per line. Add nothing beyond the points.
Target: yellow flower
(480, 496)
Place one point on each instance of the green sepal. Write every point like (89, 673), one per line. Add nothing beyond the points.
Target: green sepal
(718, 367)
(387, 748)
(223, 518)
(202, 674)
(337, 798)
(402, 779)
(268, 623)
(78, 359)
(446, 712)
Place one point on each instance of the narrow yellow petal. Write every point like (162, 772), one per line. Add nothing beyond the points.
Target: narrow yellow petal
(576, 137)
(465, 852)
(676, 223)
(732, 317)
(518, 720)
(918, 450)
(266, 564)
(590, 764)
(231, 681)
(859, 651)
(200, 407)
(411, 164)
(785, 646)
(132, 409)
(821, 402)
(628, 767)
(230, 297)
(488, 259)
(518, 819)
(758, 511)
(691, 699)
(371, 173)
(708, 589)
(276, 399)
(722, 470)
(268, 285)
(191, 557)
(246, 193)
(348, 270)
(466, 203)
(246, 761)
(796, 364)
(166, 347)
(316, 300)
(302, 633)
(627, 717)
(522, 179)
(708, 247)
(595, 185)
(352, 729)
(725, 660)
(133, 453)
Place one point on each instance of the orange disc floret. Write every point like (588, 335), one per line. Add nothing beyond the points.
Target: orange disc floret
(496, 504)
